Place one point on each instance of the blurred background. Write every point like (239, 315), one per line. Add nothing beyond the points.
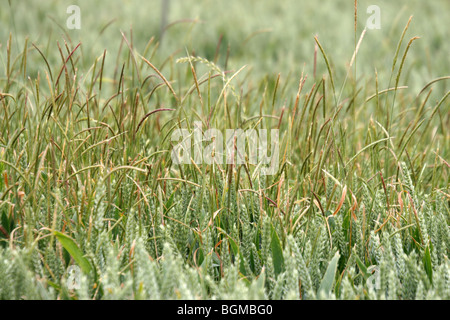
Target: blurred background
(269, 36)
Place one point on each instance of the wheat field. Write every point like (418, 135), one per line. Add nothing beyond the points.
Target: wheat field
(94, 206)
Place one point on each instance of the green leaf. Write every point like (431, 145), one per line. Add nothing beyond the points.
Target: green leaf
(277, 253)
(327, 282)
(428, 264)
(362, 268)
(236, 251)
(71, 247)
(54, 285)
(261, 281)
(169, 203)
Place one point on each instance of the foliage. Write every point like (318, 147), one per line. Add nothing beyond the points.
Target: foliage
(358, 209)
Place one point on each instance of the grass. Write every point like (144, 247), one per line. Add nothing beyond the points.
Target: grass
(359, 206)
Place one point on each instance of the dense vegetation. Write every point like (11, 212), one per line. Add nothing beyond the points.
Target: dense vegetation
(359, 207)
